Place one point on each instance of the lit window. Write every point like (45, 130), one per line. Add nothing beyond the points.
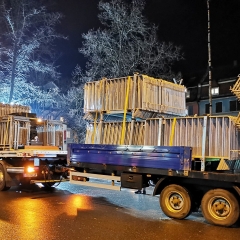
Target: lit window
(215, 91)
(188, 94)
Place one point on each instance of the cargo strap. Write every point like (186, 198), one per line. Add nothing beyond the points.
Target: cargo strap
(125, 112)
(96, 116)
(172, 132)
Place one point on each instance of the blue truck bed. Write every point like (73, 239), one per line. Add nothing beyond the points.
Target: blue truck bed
(159, 157)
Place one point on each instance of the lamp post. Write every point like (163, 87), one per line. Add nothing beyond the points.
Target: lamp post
(209, 61)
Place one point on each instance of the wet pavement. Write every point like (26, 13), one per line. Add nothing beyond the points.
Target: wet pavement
(77, 212)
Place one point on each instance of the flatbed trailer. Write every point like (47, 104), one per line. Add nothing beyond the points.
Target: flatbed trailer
(178, 179)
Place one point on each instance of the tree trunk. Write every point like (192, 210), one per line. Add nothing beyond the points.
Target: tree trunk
(14, 63)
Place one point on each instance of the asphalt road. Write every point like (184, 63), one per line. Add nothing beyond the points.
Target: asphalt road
(75, 212)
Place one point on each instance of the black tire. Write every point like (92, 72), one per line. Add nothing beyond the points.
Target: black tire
(175, 201)
(3, 186)
(220, 207)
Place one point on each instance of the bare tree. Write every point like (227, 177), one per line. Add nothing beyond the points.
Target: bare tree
(73, 112)
(26, 48)
(127, 44)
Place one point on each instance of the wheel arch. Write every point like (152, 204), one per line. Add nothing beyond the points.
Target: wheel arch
(163, 182)
(237, 191)
(232, 188)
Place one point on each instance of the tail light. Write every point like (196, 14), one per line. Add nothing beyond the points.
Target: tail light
(30, 171)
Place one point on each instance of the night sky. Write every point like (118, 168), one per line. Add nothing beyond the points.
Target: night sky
(182, 22)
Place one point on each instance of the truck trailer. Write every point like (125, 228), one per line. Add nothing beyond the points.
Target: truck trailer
(193, 161)
(182, 186)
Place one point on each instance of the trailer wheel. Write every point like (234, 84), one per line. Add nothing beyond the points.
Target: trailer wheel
(3, 186)
(175, 201)
(220, 207)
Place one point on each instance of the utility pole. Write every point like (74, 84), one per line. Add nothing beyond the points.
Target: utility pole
(209, 61)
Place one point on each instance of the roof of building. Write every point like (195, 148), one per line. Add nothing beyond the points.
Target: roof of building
(218, 74)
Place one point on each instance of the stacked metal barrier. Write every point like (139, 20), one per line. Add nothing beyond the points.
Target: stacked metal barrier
(146, 94)
(130, 100)
(14, 131)
(222, 138)
(236, 88)
(18, 128)
(6, 109)
(110, 133)
(161, 107)
(51, 133)
(212, 137)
